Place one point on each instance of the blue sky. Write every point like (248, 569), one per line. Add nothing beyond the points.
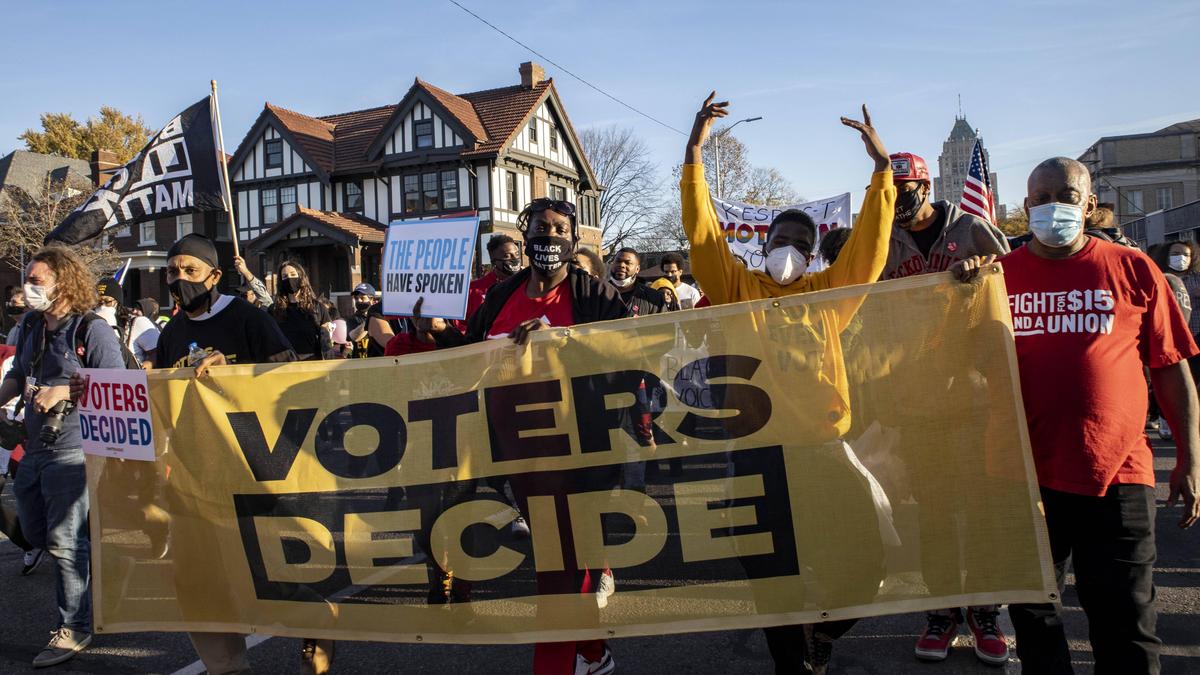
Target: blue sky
(1037, 78)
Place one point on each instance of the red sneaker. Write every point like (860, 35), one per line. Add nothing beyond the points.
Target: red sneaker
(990, 646)
(934, 644)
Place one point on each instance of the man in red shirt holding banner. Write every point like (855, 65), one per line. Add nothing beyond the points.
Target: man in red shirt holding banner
(1088, 316)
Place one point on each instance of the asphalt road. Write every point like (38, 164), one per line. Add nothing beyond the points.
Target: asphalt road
(878, 645)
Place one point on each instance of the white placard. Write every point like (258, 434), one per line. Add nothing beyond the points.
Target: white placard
(430, 259)
(746, 225)
(114, 414)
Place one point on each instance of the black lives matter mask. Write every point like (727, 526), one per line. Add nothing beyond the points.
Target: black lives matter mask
(547, 254)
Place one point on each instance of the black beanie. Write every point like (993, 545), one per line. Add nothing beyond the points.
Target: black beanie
(196, 246)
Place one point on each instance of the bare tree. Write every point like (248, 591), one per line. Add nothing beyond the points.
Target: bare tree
(734, 163)
(769, 187)
(1015, 222)
(622, 165)
(26, 219)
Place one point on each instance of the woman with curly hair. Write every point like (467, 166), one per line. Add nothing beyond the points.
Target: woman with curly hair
(300, 315)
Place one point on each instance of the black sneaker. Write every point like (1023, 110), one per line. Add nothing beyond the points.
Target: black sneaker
(820, 651)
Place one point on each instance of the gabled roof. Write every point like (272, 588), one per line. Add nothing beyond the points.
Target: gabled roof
(502, 112)
(347, 227)
(345, 142)
(459, 107)
(27, 170)
(353, 133)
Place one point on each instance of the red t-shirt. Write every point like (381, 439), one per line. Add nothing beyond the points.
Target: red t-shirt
(478, 290)
(554, 308)
(1085, 326)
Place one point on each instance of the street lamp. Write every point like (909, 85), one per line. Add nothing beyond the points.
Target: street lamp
(717, 148)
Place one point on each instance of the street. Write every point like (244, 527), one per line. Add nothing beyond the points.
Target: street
(878, 645)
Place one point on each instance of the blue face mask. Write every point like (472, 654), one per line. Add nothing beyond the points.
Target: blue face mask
(1056, 224)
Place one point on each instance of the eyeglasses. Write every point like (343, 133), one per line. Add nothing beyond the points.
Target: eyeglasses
(562, 206)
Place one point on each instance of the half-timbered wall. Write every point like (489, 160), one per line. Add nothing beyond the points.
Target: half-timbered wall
(404, 135)
(255, 166)
(550, 143)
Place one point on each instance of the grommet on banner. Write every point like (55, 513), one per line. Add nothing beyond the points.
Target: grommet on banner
(566, 332)
(775, 304)
(612, 633)
(824, 615)
(1054, 596)
(420, 639)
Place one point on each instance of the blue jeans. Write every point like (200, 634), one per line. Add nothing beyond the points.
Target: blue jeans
(52, 504)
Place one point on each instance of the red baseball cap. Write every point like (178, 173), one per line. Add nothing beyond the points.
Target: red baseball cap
(907, 166)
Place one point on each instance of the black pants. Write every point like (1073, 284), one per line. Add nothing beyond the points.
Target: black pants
(1109, 541)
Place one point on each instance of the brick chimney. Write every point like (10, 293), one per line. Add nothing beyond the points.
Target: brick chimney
(104, 165)
(532, 74)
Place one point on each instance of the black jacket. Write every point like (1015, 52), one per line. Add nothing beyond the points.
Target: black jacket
(642, 300)
(591, 300)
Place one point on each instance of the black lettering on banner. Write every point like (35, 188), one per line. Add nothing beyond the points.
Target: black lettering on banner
(331, 440)
(271, 464)
(444, 413)
(506, 423)
(358, 546)
(752, 403)
(595, 419)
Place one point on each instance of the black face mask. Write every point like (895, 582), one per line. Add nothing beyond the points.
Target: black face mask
(362, 307)
(908, 204)
(509, 267)
(192, 296)
(547, 254)
(289, 285)
(12, 310)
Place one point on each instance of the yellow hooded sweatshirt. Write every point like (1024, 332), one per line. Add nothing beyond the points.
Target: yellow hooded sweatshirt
(805, 346)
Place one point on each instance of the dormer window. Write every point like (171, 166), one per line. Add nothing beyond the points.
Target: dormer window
(423, 131)
(274, 154)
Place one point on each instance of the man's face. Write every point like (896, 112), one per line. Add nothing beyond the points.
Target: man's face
(508, 252)
(191, 268)
(40, 274)
(361, 300)
(1049, 185)
(107, 301)
(671, 271)
(791, 233)
(549, 223)
(625, 265)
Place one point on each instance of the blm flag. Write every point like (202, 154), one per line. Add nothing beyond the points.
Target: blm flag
(177, 172)
(977, 197)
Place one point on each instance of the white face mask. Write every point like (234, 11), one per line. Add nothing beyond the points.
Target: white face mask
(109, 314)
(620, 283)
(785, 264)
(38, 298)
(1180, 263)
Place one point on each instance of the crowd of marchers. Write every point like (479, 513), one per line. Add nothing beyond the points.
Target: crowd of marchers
(1087, 394)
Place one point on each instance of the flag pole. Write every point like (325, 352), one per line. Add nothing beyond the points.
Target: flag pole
(228, 195)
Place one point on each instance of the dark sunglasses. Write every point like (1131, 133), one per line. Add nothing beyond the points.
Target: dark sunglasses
(557, 205)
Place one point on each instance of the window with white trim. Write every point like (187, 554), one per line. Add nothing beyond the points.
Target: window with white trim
(1166, 200)
(146, 234)
(183, 225)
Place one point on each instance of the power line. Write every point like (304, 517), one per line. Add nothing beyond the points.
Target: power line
(547, 59)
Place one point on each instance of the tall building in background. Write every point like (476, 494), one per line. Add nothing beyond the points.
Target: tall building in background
(955, 161)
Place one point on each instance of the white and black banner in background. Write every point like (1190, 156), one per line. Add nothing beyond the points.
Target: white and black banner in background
(177, 172)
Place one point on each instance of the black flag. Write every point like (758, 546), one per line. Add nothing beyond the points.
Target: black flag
(177, 172)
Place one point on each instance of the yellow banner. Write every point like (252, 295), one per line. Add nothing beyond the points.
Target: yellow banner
(848, 453)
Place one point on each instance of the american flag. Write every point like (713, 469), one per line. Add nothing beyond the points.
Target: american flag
(977, 198)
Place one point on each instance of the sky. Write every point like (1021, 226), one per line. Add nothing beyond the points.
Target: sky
(1037, 79)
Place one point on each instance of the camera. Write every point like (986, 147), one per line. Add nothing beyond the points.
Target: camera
(12, 434)
(52, 426)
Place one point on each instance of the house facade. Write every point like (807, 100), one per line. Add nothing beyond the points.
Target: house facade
(1141, 174)
(321, 190)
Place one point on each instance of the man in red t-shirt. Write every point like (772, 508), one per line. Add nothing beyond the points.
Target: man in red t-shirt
(505, 257)
(1088, 316)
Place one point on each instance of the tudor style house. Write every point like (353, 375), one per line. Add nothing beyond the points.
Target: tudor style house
(320, 190)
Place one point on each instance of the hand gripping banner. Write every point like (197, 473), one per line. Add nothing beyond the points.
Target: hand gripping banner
(848, 453)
